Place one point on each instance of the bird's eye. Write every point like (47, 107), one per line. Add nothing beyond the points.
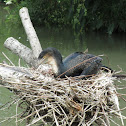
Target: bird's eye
(44, 56)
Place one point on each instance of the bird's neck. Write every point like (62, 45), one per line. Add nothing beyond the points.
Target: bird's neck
(57, 66)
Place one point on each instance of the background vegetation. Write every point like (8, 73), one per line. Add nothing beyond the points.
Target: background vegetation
(80, 15)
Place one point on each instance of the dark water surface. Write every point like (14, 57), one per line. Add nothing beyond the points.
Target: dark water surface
(113, 47)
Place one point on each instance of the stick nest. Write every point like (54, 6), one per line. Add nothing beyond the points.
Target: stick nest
(66, 102)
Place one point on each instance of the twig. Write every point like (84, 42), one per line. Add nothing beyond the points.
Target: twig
(8, 59)
(16, 114)
(94, 117)
(106, 117)
(19, 62)
(57, 124)
(114, 122)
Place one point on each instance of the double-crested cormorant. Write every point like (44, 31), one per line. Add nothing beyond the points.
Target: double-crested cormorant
(75, 64)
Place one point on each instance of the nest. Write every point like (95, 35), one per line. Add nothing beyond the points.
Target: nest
(66, 102)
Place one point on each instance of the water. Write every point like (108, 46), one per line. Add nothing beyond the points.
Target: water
(113, 47)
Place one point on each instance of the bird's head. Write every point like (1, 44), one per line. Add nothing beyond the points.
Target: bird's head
(52, 57)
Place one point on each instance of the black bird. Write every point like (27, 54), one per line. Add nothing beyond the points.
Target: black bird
(75, 64)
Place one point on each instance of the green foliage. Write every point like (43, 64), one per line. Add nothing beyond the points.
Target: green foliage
(61, 13)
(108, 16)
(12, 7)
(80, 15)
(47, 12)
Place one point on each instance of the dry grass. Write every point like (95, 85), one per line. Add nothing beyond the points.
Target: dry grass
(65, 102)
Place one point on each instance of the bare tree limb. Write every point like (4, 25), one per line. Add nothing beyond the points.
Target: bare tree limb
(19, 49)
(30, 31)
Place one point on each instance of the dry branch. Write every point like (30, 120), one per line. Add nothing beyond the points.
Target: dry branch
(30, 31)
(21, 50)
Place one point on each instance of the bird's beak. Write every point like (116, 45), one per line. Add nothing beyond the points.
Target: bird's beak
(44, 60)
